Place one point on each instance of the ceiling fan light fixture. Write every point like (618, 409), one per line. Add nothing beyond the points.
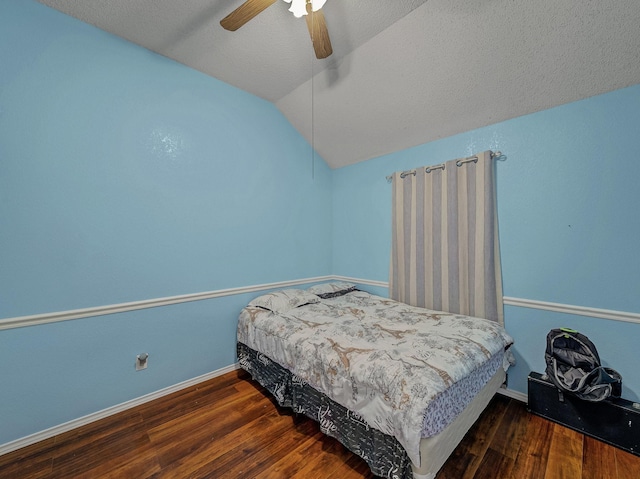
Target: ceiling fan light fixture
(316, 23)
(299, 7)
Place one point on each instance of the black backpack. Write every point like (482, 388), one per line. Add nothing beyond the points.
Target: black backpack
(573, 366)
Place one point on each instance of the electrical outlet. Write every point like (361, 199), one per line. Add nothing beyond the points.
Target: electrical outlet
(142, 360)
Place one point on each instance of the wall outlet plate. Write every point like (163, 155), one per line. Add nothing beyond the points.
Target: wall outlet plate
(142, 360)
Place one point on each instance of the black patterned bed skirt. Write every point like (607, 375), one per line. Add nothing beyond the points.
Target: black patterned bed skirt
(383, 453)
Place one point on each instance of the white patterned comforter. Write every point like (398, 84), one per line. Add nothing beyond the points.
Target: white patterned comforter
(383, 359)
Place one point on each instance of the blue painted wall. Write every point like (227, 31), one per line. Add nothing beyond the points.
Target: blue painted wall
(568, 201)
(125, 176)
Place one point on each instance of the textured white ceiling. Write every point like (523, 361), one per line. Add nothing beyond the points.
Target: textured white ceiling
(403, 72)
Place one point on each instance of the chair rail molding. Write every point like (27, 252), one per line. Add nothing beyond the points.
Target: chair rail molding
(611, 314)
(44, 318)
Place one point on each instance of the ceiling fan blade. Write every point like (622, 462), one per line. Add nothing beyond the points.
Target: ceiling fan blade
(244, 13)
(319, 33)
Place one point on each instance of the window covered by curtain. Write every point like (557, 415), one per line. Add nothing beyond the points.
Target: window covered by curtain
(445, 249)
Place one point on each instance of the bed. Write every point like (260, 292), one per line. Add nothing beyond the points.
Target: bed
(396, 384)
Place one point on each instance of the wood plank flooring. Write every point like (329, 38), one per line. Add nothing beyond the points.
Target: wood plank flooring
(229, 427)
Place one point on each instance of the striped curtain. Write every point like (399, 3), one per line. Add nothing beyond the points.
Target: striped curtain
(445, 250)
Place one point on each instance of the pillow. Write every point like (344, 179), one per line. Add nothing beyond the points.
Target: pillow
(283, 301)
(331, 290)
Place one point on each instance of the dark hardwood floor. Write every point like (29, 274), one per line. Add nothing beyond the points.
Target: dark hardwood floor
(229, 427)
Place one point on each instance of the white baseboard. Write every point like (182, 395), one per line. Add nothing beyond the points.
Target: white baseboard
(517, 395)
(110, 411)
(83, 421)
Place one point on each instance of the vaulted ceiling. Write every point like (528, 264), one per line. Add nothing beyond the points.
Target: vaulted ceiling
(403, 72)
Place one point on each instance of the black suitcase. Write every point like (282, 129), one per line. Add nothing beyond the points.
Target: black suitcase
(615, 421)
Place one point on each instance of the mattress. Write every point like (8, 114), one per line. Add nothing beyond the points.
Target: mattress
(435, 450)
(384, 455)
(385, 360)
(446, 406)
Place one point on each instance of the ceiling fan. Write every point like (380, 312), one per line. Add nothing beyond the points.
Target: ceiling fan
(311, 8)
